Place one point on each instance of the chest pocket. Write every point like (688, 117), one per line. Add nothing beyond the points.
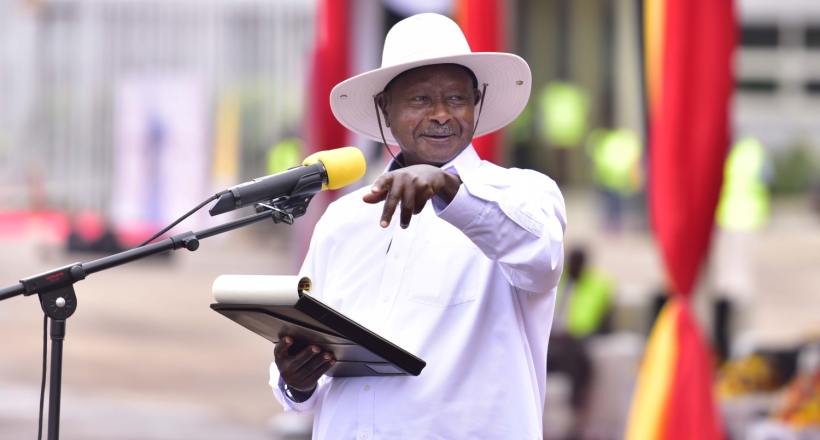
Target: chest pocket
(444, 275)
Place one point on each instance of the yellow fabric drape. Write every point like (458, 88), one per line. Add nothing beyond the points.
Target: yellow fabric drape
(648, 413)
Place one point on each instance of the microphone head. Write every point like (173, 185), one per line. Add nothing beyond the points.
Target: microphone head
(344, 165)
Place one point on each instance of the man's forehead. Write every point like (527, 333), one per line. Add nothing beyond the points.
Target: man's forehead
(435, 74)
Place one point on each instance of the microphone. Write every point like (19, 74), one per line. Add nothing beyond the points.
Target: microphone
(291, 190)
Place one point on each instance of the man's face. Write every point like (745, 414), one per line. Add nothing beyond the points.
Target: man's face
(430, 111)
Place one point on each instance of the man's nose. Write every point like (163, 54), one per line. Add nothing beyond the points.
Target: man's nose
(440, 113)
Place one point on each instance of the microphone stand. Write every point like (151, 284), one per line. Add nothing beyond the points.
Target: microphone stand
(55, 289)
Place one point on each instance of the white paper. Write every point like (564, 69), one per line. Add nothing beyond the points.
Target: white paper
(274, 290)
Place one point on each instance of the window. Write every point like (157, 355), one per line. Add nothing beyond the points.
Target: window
(759, 36)
(757, 85)
(813, 37)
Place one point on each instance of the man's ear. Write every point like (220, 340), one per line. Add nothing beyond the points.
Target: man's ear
(477, 94)
(382, 101)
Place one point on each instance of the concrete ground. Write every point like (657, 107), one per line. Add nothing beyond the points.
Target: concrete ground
(146, 358)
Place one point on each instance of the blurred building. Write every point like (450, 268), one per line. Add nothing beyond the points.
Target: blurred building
(778, 69)
(65, 66)
(592, 44)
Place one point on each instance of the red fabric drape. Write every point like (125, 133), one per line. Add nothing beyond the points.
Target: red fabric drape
(482, 22)
(330, 66)
(689, 136)
(692, 413)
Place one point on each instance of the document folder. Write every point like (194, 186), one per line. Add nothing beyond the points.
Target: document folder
(357, 350)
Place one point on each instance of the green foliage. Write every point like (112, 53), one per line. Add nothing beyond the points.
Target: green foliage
(794, 170)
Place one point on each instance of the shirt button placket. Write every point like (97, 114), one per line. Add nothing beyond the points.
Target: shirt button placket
(365, 413)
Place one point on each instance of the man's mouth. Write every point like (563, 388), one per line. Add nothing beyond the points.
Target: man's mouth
(438, 133)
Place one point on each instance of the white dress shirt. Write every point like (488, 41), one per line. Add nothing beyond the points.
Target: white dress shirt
(468, 287)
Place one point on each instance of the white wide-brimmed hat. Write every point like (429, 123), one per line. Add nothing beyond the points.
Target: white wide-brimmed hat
(426, 39)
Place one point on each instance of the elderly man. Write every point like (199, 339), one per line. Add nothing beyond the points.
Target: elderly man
(454, 259)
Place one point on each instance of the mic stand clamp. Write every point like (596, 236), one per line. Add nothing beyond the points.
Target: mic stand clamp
(277, 214)
(55, 289)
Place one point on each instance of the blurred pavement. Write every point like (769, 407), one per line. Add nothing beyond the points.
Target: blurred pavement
(145, 357)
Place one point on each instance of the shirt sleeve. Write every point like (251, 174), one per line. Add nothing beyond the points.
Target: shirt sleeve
(517, 218)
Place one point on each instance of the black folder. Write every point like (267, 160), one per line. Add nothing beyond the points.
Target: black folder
(358, 351)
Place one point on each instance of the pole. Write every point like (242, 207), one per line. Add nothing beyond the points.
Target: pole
(55, 379)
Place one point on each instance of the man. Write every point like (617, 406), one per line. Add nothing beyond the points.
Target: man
(453, 259)
(584, 300)
(742, 211)
(582, 310)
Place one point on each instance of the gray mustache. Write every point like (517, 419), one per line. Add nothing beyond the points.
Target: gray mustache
(439, 130)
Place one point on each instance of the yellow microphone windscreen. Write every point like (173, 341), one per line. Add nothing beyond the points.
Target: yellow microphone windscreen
(344, 165)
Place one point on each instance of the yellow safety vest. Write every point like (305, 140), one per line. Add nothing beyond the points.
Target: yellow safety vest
(286, 154)
(744, 199)
(589, 302)
(564, 109)
(616, 157)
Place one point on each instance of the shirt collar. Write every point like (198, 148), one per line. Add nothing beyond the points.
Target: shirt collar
(467, 160)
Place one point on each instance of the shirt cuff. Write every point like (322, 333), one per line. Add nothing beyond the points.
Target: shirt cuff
(463, 210)
(295, 396)
(290, 405)
(438, 203)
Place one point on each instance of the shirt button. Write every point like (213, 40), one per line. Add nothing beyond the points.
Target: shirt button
(364, 434)
(367, 387)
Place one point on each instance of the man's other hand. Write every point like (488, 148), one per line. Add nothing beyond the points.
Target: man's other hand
(302, 370)
(412, 186)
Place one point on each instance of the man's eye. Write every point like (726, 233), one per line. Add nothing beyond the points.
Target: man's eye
(418, 98)
(456, 99)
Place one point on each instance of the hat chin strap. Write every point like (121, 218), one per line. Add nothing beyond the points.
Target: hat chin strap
(480, 107)
(381, 130)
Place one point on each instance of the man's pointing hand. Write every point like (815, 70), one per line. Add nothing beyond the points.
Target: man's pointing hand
(411, 187)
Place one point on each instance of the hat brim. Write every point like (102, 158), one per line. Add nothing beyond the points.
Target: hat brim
(508, 77)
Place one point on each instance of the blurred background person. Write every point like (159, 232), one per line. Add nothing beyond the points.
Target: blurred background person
(563, 109)
(583, 309)
(742, 211)
(617, 170)
(286, 154)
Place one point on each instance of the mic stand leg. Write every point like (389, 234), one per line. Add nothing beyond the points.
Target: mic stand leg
(55, 378)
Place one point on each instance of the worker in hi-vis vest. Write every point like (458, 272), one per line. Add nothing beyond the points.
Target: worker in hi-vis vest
(744, 198)
(584, 298)
(285, 155)
(563, 109)
(582, 309)
(616, 163)
(742, 210)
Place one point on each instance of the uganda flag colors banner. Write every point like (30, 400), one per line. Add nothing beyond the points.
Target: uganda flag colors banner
(689, 47)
